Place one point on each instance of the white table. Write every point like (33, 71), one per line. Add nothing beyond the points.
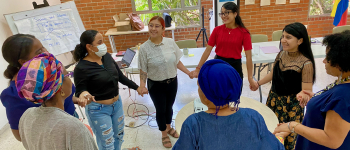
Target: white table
(189, 62)
(270, 118)
(318, 50)
(113, 32)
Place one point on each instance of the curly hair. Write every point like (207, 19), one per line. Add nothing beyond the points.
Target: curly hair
(338, 46)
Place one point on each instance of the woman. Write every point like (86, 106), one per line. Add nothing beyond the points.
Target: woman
(159, 59)
(96, 76)
(327, 120)
(294, 71)
(16, 50)
(41, 80)
(229, 46)
(223, 127)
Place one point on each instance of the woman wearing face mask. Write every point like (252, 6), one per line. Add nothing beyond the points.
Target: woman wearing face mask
(294, 71)
(229, 39)
(96, 77)
(159, 59)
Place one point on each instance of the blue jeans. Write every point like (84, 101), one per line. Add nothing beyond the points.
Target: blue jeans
(107, 123)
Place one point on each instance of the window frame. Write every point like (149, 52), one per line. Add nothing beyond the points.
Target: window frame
(322, 15)
(183, 7)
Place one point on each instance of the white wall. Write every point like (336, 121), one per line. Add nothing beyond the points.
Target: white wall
(6, 7)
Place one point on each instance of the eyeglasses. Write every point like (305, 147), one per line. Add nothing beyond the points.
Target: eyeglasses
(70, 74)
(224, 14)
(156, 26)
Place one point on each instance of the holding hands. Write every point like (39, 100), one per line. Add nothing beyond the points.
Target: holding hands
(253, 85)
(303, 97)
(85, 98)
(142, 90)
(194, 73)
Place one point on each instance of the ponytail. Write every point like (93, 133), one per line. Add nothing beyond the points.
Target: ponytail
(79, 52)
(10, 72)
(87, 37)
(16, 47)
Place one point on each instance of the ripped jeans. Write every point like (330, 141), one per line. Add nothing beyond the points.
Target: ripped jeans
(107, 123)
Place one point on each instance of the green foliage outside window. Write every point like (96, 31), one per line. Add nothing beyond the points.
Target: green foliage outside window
(180, 17)
(320, 7)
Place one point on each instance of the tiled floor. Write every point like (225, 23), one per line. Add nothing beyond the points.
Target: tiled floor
(149, 138)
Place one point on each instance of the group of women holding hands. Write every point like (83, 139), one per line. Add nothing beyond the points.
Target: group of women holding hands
(40, 98)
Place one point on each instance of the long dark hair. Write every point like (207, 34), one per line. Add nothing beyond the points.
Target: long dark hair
(16, 47)
(299, 31)
(80, 50)
(234, 8)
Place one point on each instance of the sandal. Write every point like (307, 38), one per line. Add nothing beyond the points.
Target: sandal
(166, 142)
(172, 132)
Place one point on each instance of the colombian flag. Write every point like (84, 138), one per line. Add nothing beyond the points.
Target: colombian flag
(340, 12)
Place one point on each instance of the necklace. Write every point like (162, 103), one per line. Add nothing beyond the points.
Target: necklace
(332, 85)
(229, 32)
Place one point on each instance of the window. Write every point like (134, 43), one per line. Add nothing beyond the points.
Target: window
(183, 12)
(321, 7)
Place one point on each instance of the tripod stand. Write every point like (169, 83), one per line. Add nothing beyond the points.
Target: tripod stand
(203, 29)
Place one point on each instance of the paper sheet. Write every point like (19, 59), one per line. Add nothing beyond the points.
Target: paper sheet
(249, 2)
(269, 49)
(294, 1)
(265, 2)
(280, 2)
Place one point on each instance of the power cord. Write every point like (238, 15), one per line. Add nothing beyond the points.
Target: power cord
(136, 114)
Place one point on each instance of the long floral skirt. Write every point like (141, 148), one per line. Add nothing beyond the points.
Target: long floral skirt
(287, 109)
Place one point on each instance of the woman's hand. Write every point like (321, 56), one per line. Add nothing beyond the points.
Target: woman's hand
(85, 98)
(142, 90)
(194, 73)
(283, 134)
(253, 85)
(303, 97)
(283, 128)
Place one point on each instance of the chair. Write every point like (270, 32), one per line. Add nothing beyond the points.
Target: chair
(186, 44)
(276, 35)
(256, 38)
(341, 29)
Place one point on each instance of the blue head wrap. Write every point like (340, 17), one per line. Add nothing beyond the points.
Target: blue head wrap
(220, 82)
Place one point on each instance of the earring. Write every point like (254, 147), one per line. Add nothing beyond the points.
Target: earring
(62, 93)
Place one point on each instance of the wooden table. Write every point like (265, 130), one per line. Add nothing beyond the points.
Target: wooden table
(113, 32)
(269, 116)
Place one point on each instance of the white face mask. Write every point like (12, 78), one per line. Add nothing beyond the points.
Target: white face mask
(102, 50)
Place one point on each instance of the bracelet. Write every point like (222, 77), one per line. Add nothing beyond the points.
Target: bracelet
(198, 68)
(294, 127)
(258, 83)
(289, 127)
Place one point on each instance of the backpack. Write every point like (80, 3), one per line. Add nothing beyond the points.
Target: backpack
(167, 19)
(136, 22)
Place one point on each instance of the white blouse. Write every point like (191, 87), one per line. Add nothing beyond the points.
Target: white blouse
(159, 61)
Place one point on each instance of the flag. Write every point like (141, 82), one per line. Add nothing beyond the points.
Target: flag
(340, 12)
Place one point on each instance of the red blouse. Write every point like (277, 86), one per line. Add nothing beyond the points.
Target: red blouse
(230, 45)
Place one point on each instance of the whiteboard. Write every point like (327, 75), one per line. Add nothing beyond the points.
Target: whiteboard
(57, 27)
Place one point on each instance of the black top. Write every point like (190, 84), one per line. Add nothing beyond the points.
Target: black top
(285, 82)
(101, 82)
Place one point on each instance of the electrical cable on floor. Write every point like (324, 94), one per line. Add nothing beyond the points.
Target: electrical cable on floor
(135, 113)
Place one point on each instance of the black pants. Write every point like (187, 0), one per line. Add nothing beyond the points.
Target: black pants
(163, 95)
(235, 63)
